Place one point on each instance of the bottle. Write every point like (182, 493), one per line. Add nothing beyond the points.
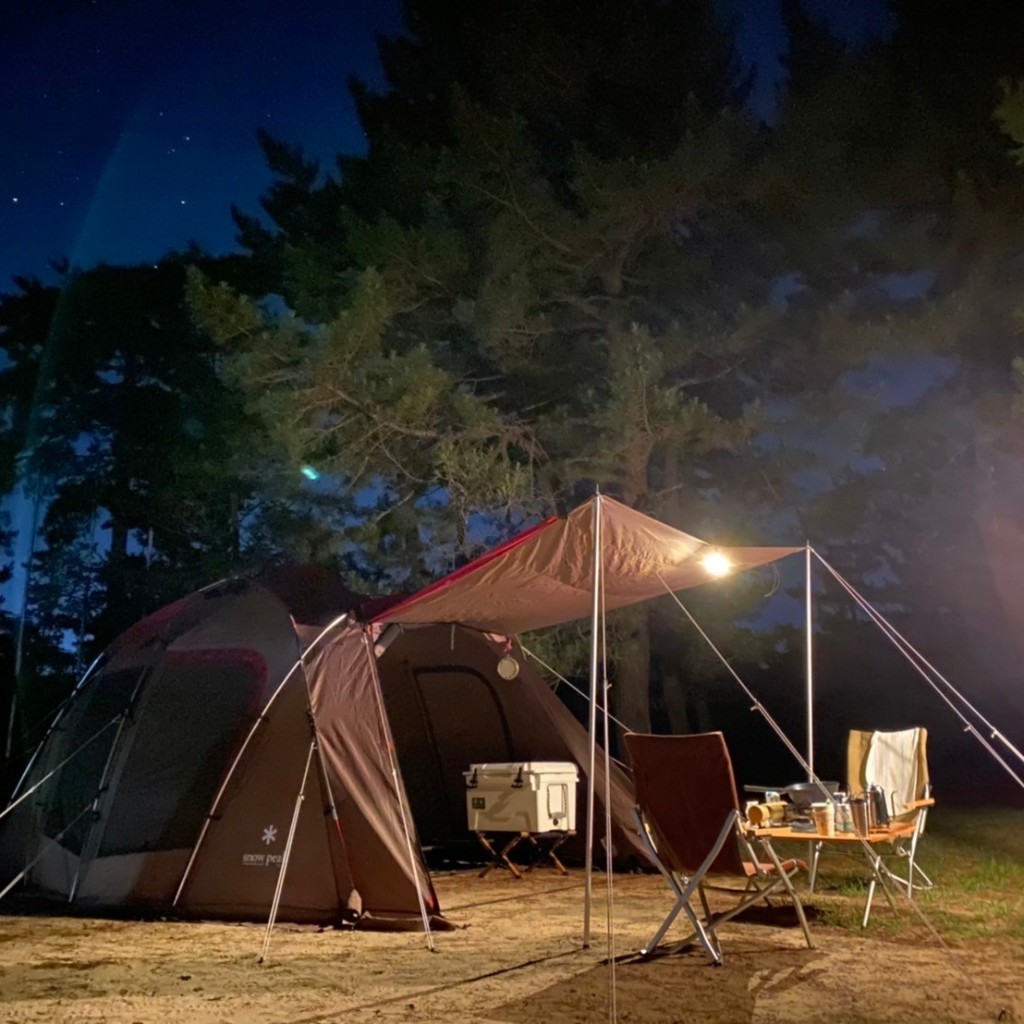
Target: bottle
(844, 816)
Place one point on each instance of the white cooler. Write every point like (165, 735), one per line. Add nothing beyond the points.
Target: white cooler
(528, 796)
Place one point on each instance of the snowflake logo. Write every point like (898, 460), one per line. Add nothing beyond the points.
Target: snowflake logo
(269, 834)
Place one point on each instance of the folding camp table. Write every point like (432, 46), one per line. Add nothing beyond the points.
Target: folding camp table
(501, 857)
(848, 842)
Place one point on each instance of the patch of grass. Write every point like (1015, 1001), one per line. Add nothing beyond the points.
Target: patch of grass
(976, 860)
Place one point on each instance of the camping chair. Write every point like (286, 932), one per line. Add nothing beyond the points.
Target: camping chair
(898, 762)
(689, 818)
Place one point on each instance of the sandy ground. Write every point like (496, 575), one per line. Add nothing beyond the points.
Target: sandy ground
(515, 957)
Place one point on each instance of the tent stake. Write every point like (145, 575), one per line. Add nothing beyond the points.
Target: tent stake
(287, 853)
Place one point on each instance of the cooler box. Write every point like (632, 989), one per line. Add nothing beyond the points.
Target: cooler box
(528, 796)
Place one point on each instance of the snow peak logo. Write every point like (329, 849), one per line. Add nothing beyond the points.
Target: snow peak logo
(263, 860)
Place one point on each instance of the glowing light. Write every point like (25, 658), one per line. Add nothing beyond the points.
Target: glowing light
(310, 473)
(716, 564)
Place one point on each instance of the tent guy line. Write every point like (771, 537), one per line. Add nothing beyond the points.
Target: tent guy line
(67, 760)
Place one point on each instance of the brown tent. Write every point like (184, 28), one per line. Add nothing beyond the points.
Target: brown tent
(173, 775)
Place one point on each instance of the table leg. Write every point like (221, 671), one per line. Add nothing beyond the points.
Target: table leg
(812, 874)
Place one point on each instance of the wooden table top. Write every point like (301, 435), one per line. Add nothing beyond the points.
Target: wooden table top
(900, 830)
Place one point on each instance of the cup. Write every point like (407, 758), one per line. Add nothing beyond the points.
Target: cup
(765, 814)
(860, 815)
(824, 816)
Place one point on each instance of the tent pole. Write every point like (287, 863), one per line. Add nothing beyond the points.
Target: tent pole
(287, 854)
(396, 780)
(810, 666)
(595, 638)
(261, 718)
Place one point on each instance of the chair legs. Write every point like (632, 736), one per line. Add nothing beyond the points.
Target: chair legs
(705, 929)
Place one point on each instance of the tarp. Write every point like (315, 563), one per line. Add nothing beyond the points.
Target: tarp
(544, 576)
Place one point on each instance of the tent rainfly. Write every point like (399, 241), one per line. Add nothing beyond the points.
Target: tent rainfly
(170, 783)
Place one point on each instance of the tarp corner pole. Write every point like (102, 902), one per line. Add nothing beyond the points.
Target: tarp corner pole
(595, 640)
(809, 585)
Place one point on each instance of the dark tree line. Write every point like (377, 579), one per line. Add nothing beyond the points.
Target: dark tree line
(569, 258)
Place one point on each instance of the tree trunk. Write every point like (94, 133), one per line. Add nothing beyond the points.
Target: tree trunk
(630, 695)
(631, 685)
(674, 701)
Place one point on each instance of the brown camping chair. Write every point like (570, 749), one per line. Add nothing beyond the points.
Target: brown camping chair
(689, 818)
(898, 761)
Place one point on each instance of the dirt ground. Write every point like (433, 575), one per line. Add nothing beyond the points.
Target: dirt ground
(515, 957)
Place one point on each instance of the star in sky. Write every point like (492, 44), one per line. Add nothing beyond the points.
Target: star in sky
(129, 129)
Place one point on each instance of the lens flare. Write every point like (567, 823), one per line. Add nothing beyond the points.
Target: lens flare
(716, 564)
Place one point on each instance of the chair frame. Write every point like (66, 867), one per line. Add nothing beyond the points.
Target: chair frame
(910, 883)
(759, 887)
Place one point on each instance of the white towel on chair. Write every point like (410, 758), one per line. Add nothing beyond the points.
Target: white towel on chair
(891, 763)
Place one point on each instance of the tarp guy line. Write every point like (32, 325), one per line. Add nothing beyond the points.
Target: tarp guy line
(919, 663)
(46, 848)
(885, 874)
(572, 686)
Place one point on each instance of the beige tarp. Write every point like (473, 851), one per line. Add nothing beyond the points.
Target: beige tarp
(544, 576)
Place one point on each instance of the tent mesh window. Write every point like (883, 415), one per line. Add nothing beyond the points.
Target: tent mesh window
(78, 781)
(193, 716)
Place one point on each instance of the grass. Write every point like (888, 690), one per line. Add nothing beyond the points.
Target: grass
(976, 860)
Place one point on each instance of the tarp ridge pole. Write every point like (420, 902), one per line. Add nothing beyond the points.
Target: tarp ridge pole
(613, 1007)
(595, 640)
(276, 902)
(332, 806)
(808, 613)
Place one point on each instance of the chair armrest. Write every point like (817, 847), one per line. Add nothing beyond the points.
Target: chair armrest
(916, 805)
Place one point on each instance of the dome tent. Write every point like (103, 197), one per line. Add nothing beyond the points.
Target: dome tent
(172, 775)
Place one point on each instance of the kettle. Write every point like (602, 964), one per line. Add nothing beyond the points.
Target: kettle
(878, 809)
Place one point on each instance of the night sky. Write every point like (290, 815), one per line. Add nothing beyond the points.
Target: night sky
(128, 125)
